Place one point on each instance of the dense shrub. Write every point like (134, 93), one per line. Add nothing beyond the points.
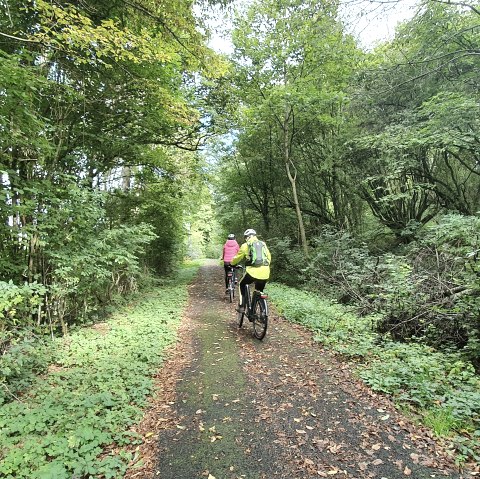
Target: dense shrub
(436, 296)
(20, 306)
(428, 290)
(288, 261)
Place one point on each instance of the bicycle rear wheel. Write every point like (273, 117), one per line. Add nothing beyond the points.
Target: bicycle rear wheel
(231, 290)
(260, 318)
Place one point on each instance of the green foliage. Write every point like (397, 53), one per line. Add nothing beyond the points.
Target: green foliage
(22, 359)
(77, 136)
(98, 381)
(288, 260)
(440, 420)
(333, 324)
(432, 291)
(428, 291)
(19, 303)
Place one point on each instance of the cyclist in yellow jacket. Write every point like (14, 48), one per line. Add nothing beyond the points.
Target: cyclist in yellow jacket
(257, 269)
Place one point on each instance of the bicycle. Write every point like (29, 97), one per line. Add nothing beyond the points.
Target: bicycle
(231, 282)
(256, 310)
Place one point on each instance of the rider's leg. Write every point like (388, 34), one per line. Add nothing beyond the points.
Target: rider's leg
(244, 282)
(260, 284)
(226, 266)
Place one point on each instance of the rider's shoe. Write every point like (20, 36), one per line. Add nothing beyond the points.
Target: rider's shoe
(226, 291)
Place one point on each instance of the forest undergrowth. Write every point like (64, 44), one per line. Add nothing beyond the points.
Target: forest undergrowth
(73, 420)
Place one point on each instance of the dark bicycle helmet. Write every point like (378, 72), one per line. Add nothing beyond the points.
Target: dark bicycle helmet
(249, 233)
(231, 236)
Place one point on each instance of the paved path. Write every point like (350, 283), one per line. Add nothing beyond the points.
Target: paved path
(234, 407)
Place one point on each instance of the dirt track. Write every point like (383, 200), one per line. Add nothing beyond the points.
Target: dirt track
(231, 407)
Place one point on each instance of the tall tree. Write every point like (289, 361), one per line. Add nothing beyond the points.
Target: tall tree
(420, 145)
(292, 59)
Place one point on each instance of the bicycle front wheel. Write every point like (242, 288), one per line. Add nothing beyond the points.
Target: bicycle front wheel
(260, 318)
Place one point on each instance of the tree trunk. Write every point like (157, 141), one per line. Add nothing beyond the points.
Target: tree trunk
(293, 181)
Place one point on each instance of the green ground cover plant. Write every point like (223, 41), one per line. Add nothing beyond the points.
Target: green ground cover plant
(442, 388)
(97, 382)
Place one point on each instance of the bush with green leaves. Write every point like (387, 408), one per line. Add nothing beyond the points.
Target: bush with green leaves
(87, 275)
(343, 267)
(287, 261)
(19, 306)
(25, 358)
(433, 291)
(428, 290)
(99, 378)
(338, 266)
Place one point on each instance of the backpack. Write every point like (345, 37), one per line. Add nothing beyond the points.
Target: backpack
(257, 254)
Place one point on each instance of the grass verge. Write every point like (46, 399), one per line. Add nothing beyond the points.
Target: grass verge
(442, 388)
(73, 421)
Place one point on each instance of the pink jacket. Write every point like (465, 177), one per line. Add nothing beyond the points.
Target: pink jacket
(230, 249)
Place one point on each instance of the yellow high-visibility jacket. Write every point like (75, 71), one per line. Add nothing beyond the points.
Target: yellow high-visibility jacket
(257, 272)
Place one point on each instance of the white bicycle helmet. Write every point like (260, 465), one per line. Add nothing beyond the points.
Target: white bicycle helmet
(231, 236)
(249, 233)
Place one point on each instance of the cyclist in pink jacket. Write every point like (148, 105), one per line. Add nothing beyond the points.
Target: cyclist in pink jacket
(230, 249)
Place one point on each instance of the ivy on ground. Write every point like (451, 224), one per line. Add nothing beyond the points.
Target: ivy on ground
(97, 383)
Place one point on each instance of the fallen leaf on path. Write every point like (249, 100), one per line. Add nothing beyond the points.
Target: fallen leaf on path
(334, 448)
(407, 471)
